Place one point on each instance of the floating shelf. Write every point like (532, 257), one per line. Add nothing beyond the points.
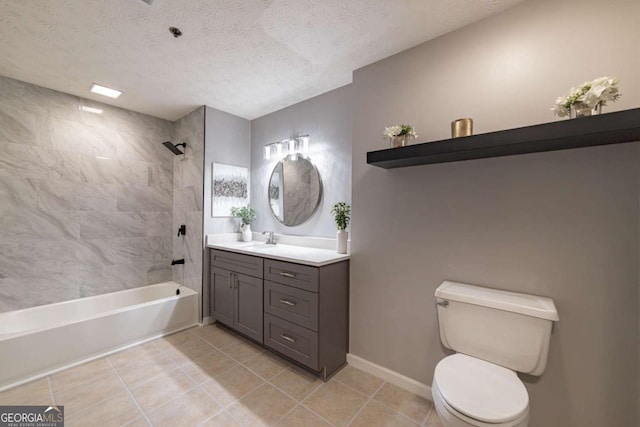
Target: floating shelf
(603, 129)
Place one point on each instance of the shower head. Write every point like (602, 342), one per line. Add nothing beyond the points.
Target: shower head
(174, 148)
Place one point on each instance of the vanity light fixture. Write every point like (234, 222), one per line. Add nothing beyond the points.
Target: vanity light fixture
(294, 146)
(90, 109)
(105, 91)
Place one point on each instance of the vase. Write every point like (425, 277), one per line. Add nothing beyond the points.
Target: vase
(341, 241)
(461, 127)
(583, 110)
(399, 141)
(247, 235)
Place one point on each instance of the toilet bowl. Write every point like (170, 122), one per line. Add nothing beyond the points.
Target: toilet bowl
(472, 392)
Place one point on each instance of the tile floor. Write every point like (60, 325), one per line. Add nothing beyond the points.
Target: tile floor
(210, 377)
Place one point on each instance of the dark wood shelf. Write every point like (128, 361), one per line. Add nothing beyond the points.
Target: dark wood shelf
(603, 129)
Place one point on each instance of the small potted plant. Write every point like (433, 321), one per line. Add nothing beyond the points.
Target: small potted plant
(246, 215)
(399, 135)
(589, 98)
(342, 214)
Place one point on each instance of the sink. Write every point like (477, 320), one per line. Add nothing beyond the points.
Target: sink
(256, 246)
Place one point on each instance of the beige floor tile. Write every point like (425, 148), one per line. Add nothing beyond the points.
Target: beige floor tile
(263, 406)
(355, 378)
(296, 382)
(79, 374)
(116, 411)
(432, 419)
(217, 336)
(266, 365)
(232, 385)
(377, 415)
(223, 419)
(170, 341)
(33, 393)
(190, 409)
(242, 350)
(138, 422)
(301, 417)
(191, 348)
(133, 354)
(206, 367)
(400, 400)
(162, 388)
(89, 393)
(145, 369)
(336, 402)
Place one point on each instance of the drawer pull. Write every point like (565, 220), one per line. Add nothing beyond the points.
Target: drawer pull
(287, 274)
(287, 337)
(287, 302)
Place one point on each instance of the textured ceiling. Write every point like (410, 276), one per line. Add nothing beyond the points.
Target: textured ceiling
(245, 57)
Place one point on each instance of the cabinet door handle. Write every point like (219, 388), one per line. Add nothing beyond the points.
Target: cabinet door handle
(287, 337)
(235, 281)
(287, 274)
(230, 280)
(287, 302)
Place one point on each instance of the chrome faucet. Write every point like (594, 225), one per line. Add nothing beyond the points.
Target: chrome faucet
(271, 239)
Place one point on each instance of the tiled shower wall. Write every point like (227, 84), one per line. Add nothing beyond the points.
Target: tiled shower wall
(86, 200)
(188, 199)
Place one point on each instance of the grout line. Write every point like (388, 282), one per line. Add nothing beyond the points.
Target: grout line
(317, 414)
(135, 401)
(365, 403)
(51, 395)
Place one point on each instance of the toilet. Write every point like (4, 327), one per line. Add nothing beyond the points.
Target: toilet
(494, 334)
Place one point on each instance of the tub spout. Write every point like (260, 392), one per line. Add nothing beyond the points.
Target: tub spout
(177, 261)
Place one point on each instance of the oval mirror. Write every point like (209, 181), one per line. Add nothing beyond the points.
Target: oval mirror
(295, 190)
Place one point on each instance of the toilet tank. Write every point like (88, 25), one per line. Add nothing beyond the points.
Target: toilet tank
(506, 328)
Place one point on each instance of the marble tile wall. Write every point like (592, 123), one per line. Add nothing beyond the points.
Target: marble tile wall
(188, 199)
(86, 200)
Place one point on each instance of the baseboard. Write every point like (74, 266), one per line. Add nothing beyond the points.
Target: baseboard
(208, 320)
(388, 375)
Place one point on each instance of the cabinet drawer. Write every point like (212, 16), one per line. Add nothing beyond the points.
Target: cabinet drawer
(292, 340)
(292, 304)
(296, 275)
(245, 264)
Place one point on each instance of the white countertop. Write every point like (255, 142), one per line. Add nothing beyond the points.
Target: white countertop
(299, 254)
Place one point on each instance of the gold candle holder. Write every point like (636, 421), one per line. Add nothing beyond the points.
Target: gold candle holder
(461, 127)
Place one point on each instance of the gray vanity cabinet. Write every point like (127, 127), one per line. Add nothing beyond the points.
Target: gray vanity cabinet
(300, 311)
(236, 292)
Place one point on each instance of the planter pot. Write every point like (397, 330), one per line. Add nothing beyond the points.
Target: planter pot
(247, 235)
(583, 110)
(341, 241)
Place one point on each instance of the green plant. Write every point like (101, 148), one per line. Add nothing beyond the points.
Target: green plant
(246, 214)
(342, 214)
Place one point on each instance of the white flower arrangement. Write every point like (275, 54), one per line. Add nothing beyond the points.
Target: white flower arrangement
(399, 130)
(589, 94)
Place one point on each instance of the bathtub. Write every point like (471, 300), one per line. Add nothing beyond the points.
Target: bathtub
(38, 341)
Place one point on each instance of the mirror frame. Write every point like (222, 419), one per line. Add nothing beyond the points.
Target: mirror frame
(320, 189)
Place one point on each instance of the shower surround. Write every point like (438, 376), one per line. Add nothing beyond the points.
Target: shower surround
(86, 200)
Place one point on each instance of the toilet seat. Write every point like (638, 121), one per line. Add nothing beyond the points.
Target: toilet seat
(479, 392)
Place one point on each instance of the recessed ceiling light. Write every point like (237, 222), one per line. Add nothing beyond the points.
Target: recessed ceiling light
(106, 91)
(90, 109)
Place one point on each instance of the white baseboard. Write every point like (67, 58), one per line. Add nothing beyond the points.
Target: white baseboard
(388, 375)
(208, 320)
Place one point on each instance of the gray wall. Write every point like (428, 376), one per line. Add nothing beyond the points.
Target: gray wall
(188, 199)
(228, 141)
(85, 199)
(561, 224)
(327, 118)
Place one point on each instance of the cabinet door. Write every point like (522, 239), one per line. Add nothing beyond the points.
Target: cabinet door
(222, 290)
(248, 306)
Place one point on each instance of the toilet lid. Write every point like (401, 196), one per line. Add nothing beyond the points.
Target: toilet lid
(481, 390)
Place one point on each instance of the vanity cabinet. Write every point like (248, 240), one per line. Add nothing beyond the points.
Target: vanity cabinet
(303, 310)
(236, 292)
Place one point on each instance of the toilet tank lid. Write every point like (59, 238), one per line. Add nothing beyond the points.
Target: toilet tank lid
(530, 305)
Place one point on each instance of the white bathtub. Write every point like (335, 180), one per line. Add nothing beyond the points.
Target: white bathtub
(37, 341)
